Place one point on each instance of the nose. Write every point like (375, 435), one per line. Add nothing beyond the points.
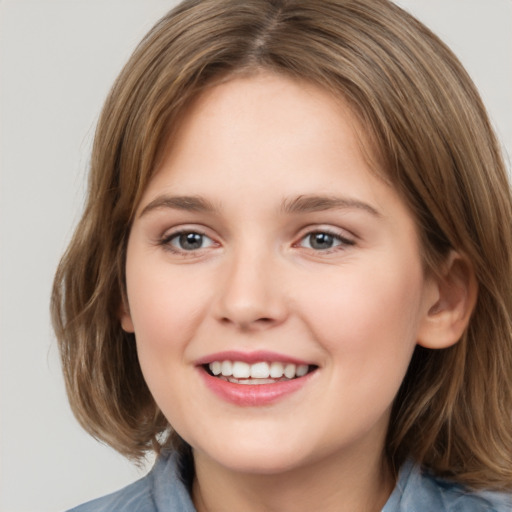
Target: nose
(251, 293)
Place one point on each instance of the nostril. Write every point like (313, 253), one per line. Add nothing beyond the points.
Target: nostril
(248, 324)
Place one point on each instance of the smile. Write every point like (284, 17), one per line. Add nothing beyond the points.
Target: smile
(240, 372)
(254, 379)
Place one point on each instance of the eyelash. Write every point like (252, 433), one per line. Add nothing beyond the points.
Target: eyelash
(343, 241)
(167, 240)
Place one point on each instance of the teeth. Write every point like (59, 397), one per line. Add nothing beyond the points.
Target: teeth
(276, 370)
(249, 381)
(241, 370)
(216, 367)
(263, 371)
(260, 371)
(302, 369)
(289, 371)
(226, 368)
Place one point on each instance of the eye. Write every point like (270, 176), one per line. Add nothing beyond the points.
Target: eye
(188, 241)
(323, 241)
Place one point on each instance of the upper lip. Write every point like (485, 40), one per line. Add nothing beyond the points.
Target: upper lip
(250, 357)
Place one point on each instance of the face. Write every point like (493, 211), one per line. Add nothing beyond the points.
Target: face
(274, 283)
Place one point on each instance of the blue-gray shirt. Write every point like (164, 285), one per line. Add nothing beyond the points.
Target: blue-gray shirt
(416, 491)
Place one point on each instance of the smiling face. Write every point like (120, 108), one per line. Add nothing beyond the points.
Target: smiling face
(264, 249)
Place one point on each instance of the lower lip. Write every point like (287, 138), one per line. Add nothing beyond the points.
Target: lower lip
(253, 395)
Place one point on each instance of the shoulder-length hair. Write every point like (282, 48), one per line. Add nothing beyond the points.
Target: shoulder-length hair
(428, 130)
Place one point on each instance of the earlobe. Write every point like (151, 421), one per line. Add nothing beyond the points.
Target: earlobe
(447, 317)
(125, 317)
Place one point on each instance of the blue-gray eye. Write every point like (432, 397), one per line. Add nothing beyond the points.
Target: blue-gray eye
(190, 241)
(322, 241)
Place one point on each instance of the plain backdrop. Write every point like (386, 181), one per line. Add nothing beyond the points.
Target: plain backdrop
(58, 59)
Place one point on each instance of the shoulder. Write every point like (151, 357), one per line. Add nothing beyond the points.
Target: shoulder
(136, 497)
(419, 491)
(160, 490)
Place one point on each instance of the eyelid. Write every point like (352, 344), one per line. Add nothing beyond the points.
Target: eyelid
(165, 238)
(170, 234)
(346, 239)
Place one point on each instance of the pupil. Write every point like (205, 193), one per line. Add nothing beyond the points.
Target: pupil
(321, 241)
(190, 241)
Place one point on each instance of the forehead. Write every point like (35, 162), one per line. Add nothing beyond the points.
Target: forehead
(264, 118)
(266, 140)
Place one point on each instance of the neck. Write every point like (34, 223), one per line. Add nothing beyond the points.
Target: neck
(355, 484)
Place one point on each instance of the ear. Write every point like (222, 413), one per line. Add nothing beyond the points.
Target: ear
(451, 304)
(125, 317)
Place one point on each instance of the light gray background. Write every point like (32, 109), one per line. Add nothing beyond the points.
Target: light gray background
(58, 59)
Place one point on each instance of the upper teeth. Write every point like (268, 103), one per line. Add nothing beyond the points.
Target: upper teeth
(261, 370)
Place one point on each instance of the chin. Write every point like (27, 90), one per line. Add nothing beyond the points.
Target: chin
(255, 456)
(260, 462)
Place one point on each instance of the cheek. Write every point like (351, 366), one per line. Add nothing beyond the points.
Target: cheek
(369, 315)
(165, 312)
(164, 307)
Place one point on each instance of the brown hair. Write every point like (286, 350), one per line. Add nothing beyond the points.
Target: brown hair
(429, 129)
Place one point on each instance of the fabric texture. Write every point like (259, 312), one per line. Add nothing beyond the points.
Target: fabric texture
(162, 490)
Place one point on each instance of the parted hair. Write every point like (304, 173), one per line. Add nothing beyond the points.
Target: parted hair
(431, 138)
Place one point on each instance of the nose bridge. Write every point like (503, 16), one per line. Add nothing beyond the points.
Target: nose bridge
(251, 295)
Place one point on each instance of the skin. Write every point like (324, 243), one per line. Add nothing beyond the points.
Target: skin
(249, 148)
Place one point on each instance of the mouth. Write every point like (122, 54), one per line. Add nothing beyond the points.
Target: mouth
(253, 379)
(258, 373)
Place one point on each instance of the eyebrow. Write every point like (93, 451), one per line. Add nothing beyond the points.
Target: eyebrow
(299, 204)
(316, 203)
(186, 203)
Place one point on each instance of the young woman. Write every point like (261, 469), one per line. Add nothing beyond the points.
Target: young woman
(292, 278)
